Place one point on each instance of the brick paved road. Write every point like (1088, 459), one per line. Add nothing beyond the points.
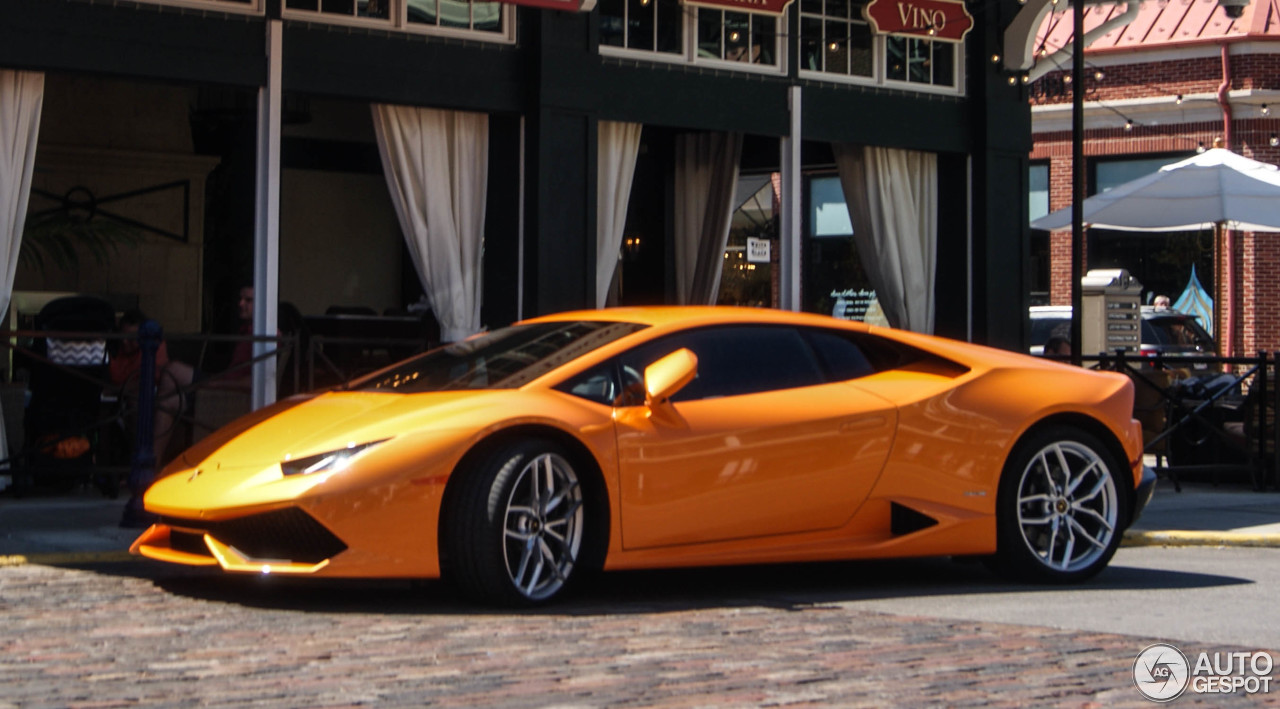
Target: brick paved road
(142, 634)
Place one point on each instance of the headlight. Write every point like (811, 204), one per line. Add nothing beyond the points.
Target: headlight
(323, 462)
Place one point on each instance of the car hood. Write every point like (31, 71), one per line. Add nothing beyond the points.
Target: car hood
(308, 425)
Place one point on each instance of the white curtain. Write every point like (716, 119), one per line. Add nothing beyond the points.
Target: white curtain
(437, 167)
(619, 144)
(706, 179)
(892, 197)
(21, 98)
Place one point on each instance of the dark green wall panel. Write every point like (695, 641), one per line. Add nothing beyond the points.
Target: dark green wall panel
(407, 69)
(144, 41)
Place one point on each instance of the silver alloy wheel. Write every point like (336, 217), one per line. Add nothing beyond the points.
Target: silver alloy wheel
(542, 526)
(1067, 506)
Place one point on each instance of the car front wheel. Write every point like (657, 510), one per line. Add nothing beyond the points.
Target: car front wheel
(516, 531)
(1062, 507)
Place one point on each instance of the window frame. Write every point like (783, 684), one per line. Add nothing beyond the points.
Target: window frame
(690, 15)
(878, 356)
(398, 21)
(879, 59)
(252, 7)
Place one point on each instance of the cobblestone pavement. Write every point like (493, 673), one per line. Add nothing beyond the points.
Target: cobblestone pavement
(132, 634)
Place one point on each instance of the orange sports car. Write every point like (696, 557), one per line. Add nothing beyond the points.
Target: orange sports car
(512, 462)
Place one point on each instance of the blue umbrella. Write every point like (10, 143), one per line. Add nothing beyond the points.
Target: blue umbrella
(1195, 300)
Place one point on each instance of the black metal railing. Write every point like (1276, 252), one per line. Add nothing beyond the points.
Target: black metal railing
(1213, 416)
(115, 412)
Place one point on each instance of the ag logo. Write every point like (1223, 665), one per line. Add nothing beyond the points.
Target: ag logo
(1161, 672)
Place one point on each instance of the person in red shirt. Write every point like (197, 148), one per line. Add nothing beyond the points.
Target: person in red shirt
(172, 379)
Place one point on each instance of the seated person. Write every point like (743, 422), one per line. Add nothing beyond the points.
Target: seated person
(171, 379)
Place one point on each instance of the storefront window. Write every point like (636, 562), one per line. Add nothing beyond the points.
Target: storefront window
(1161, 261)
(750, 256)
(1040, 257)
(487, 19)
(737, 36)
(836, 40)
(237, 6)
(480, 16)
(920, 61)
(644, 25)
(659, 27)
(834, 280)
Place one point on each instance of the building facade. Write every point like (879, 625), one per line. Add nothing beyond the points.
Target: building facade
(1168, 80)
(293, 144)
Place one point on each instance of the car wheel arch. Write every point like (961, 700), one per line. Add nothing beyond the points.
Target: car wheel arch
(1087, 424)
(594, 486)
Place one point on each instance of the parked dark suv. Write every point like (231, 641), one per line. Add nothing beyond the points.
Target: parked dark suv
(1164, 331)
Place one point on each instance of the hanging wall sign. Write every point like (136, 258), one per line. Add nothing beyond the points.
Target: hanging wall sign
(772, 7)
(945, 20)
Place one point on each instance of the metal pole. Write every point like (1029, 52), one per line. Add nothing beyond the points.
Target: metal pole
(789, 239)
(143, 470)
(266, 239)
(1077, 177)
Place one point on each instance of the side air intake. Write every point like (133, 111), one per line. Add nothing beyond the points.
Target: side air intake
(904, 520)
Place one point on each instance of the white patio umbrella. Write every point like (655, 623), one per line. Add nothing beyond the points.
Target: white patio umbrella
(1216, 188)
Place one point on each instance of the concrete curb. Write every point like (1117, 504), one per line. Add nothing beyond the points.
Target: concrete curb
(1138, 538)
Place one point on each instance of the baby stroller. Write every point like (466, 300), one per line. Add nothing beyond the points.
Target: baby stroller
(64, 419)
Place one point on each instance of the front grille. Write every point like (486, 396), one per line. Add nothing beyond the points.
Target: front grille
(289, 534)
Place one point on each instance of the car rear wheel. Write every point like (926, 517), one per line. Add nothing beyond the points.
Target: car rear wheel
(1061, 509)
(516, 531)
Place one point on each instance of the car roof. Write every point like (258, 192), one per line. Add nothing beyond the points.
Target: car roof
(658, 315)
(1148, 312)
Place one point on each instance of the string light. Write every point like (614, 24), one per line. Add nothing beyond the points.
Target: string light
(1013, 81)
(1274, 140)
(1128, 125)
(1178, 100)
(1099, 75)
(995, 58)
(1200, 147)
(1265, 110)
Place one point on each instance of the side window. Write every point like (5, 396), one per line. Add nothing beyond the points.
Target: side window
(736, 360)
(840, 355)
(598, 384)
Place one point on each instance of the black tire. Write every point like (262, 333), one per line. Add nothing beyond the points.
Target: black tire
(522, 527)
(1062, 507)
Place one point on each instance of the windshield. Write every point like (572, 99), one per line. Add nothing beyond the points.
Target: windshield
(1178, 333)
(502, 359)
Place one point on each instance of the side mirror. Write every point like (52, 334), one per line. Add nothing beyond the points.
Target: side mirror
(664, 378)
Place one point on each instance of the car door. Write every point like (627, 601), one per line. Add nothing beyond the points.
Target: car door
(760, 443)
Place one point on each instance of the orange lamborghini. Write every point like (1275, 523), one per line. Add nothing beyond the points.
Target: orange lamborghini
(512, 462)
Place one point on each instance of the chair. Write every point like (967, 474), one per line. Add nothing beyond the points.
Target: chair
(64, 422)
